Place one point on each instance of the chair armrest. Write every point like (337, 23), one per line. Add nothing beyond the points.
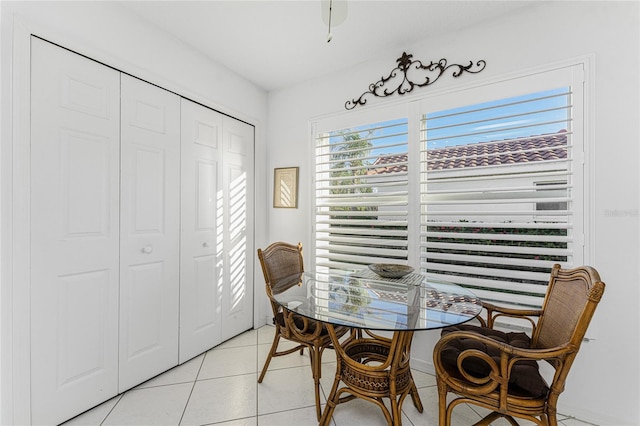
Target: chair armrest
(499, 368)
(513, 351)
(494, 311)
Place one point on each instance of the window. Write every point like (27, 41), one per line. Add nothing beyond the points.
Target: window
(484, 185)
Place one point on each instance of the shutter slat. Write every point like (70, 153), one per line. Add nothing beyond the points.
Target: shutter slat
(511, 128)
(500, 237)
(368, 231)
(510, 225)
(368, 223)
(507, 214)
(489, 174)
(458, 270)
(498, 249)
(353, 213)
(363, 256)
(490, 200)
(495, 284)
(506, 261)
(337, 240)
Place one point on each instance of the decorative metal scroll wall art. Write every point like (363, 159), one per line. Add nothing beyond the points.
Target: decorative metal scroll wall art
(411, 75)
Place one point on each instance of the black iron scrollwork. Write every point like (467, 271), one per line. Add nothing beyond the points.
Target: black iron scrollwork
(405, 65)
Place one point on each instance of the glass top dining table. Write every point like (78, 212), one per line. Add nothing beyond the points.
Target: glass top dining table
(362, 299)
(368, 304)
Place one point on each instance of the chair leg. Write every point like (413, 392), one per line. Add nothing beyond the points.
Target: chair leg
(442, 404)
(274, 347)
(316, 370)
(416, 398)
(551, 416)
(330, 407)
(332, 399)
(396, 414)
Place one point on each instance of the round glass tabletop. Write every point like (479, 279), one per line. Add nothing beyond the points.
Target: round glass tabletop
(362, 299)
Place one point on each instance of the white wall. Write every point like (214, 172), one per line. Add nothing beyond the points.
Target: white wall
(603, 384)
(108, 33)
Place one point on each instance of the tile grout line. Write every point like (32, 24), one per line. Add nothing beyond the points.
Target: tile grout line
(192, 388)
(112, 408)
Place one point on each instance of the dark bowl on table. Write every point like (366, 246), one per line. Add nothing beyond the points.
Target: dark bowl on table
(390, 270)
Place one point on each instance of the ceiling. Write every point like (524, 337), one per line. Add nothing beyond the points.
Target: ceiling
(276, 44)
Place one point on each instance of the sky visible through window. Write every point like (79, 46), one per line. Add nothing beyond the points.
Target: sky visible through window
(504, 119)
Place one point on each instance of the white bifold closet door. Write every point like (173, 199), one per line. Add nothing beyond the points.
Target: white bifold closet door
(216, 293)
(237, 222)
(149, 231)
(201, 268)
(74, 219)
(141, 231)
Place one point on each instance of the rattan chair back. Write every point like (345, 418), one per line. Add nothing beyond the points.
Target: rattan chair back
(570, 301)
(280, 260)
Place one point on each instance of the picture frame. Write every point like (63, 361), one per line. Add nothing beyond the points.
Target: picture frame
(285, 188)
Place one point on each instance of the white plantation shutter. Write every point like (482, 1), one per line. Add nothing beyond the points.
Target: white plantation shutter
(499, 194)
(361, 193)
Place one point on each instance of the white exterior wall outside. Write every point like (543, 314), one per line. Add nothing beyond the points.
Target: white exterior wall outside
(444, 174)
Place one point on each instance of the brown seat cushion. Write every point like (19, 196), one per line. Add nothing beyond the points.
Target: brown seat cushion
(299, 322)
(525, 379)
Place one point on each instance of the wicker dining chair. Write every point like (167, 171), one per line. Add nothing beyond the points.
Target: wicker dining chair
(499, 370)
(282, 266)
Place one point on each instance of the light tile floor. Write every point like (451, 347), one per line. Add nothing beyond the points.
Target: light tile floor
(220, 387)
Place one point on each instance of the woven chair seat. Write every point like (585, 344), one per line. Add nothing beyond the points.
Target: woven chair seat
(372, 383)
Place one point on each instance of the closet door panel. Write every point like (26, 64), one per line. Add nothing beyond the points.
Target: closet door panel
(149, 232)
(201, 259)
(74, 233)
(237, 219)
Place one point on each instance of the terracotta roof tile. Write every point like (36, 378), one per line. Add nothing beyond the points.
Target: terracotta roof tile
(495, 153)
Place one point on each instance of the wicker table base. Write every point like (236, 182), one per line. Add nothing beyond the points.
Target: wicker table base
(373, 367)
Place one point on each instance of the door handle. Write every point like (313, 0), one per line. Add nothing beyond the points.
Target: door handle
(147, 250)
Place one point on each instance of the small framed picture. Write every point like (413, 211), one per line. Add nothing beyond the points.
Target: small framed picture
(285, 188)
